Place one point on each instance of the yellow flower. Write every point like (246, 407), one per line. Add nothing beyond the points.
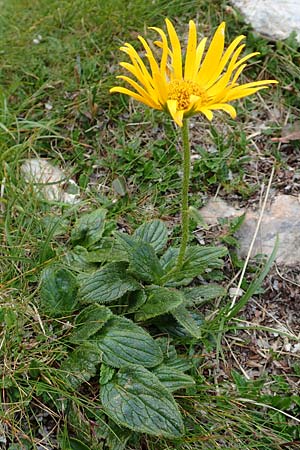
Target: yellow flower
(202, 85)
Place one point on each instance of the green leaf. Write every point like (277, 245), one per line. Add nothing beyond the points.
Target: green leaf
(75, 444)
(116, 437)
(160, 300)
(171, 359)
(197, 217)
(135, 398)
(143, 262)
(187, 321)
(181, 364)
(106, 374)
(107, 250)
(119, 186)
(58, 291)
(89, 228)
(169, 262)
(123, 342)
(81, 364)
(77, 258)
(201, 294)
(75, 420)
(107, 284)
(136, 300)
(9, 316)
(90, 320)
(168, 349)
(169, 258)
(198, 259)
(154, 232)
(173, 379)
(168, 324)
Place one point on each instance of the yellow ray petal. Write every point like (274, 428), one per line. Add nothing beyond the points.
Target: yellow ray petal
(190, 57)
(224, 60)
(229, 51)
(150, 97)
(199, 55)
(161, 87)
(207, 112)
(144, 80)
(237, 74)
(132, 94)
(240, 93)
(258, 83)
(152, 61)
(137, 62)
(244, 59)
(165, 49)
(213, 55)
(217, 85)
(177, 116)
(224, 107)
(176, 51)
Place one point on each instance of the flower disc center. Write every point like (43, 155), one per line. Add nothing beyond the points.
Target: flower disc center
(181, 90)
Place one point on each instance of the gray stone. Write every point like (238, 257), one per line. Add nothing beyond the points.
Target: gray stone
(50, 181)
(216, 209)
(281, 218)
(276, 19)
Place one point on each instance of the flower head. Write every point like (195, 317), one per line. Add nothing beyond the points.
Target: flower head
(204, 83)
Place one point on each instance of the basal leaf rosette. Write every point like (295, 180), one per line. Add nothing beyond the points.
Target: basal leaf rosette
(198, 81)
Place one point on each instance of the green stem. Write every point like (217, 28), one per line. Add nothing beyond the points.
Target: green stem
(186, 164)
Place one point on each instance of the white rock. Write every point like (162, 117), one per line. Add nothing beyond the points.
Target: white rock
(273, 18)
(235, 292)
(296, 348)
(50, 181)
(281, 218)
(218, 209)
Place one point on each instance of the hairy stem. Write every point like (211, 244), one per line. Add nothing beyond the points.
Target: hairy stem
(186, 165)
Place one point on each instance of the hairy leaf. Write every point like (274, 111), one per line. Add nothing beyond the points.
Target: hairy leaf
(136, 300)
(115, 436)
(81, 364)
(169, 258)
(106, 374)
(123, 342)
(107, 284)
(160, 300)
(187, 321)
(89, 228)
(198, 259)
(78, 259)
(169, 324)
(107, 250)
(201, 294)
(58, 291)
(171, 359)
(154, 232)
(135, 398)
(172, 378)
(143, 262)
(90, 320)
